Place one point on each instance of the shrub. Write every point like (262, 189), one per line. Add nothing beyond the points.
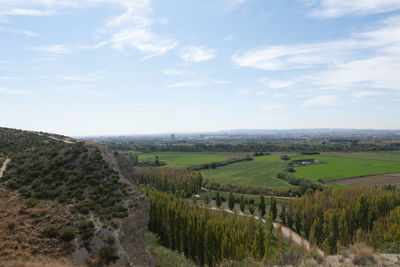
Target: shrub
(50, 231)
(107, 254)
(31, 202)
(362, 255)
(67, 235)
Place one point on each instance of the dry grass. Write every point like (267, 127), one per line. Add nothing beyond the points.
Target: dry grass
(38, 262)
(362, 255)
(21, 228)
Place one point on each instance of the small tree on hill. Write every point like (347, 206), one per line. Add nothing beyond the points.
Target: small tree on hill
(273, 210)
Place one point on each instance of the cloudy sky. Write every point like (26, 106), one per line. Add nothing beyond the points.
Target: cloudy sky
(92, 67)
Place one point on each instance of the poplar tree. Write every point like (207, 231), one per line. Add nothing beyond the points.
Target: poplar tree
(242, 203)
(231, 201)
(218, 200)
(262, 206)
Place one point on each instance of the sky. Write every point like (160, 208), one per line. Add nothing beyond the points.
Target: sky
(119, 67)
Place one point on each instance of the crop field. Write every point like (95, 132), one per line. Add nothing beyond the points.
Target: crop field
(186, 159)
(261, 172)
(370, 181)
(341, 165)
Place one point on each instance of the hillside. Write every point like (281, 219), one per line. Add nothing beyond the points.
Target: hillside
(65, 198)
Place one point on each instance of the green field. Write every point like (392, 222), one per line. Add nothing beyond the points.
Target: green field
(259, 172)
(186, 159)
(341, 165)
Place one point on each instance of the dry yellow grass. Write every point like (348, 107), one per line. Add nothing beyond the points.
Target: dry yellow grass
(21, 228)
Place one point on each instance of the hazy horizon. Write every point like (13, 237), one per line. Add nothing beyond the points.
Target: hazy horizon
(126, 67)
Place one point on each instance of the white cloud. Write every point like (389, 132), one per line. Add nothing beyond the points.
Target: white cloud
(130, 29)
(24, 32)
(185, 84)
(196, 83)
(369, 59)
(91, 77)
(196, 54)
(174, 72)
(52, 49)
(338, 8)
(323, 100)
(362, 94)
(272, 107)
(14, 92)
(276, 84)
(133, 29)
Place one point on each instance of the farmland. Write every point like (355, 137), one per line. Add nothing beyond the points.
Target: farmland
(186, 159)
(342, 165)
(261, 172)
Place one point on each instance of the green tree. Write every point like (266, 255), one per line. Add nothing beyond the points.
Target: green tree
(273, 209)
(231, 201)
(242, 203)
(218, 200)
(251, 208)
(261, 205)
(282, 215)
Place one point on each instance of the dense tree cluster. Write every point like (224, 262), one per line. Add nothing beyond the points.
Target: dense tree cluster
(205, 236)
(335, 218)
(270, 146)
(217, 164)
(183, 182)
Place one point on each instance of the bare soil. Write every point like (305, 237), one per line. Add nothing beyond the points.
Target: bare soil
(371, 181)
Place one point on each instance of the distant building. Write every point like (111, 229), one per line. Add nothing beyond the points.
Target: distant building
(172, 137)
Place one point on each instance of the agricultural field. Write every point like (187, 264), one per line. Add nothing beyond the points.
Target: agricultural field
(261, 172)
(370, 181)
(186, 159)
(343, 165)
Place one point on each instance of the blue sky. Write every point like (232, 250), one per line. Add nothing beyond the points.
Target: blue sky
(96, 67)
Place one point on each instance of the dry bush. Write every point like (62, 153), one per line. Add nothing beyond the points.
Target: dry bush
(362, 255)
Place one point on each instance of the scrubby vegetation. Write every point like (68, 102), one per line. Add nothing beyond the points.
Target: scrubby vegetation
(69, 173)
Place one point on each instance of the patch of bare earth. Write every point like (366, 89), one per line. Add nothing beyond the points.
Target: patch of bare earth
(22, 228)
(371, 181)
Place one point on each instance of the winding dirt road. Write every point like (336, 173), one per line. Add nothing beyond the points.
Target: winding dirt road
(286, 231)
(3, 168)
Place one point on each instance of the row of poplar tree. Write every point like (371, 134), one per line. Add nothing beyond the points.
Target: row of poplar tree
(207, 237)
(337, 218)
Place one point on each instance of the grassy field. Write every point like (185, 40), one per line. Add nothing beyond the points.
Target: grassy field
(340, 165)
(186, 159)
(259, 172)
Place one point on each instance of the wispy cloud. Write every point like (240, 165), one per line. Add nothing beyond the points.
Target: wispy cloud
(133, 29)
(175, 72)
(14, 92)
(91, 77)
(369, 59)
(197, 83)
(15, 31)
(196, 54)
(362, 94)
(272, 107)
(52, 49)
(323, 100)
(275, 84)
(338, 8)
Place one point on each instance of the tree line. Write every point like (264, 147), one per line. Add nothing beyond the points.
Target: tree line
(207, 237)
(338, 218)
(183, 182)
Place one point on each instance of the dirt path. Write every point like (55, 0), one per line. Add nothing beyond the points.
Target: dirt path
(3, 168)
(55, 138)
(286, 231)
